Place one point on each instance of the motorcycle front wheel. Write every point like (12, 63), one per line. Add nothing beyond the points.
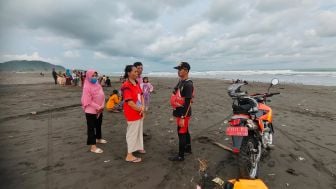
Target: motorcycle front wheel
(249, 156)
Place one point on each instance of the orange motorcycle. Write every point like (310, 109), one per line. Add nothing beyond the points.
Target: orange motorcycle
(250, 127)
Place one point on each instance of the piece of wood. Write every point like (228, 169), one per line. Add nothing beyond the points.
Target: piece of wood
(221, 145)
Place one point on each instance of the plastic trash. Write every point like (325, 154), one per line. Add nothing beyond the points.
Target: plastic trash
(218, 180)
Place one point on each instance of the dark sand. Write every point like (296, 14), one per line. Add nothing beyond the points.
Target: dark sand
(48, 150)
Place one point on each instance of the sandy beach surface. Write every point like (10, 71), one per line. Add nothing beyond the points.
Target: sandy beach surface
(48, 150)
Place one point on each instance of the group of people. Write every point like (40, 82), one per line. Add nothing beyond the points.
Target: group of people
(134, 100)
(76, 78)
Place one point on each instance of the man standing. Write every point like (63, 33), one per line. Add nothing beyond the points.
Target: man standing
(183, 113)
(139, 67)
(54, 74)
(108, 82)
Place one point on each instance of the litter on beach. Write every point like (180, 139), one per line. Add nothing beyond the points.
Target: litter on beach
(218, 180)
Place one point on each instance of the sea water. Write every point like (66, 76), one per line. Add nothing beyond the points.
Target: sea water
(326, 77)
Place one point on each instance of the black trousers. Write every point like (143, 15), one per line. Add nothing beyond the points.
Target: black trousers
(55, 78)
(93, 128)
(184, 142)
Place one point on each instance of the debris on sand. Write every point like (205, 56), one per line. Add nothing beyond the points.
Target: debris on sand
(203, 165)
(218, 180)
(301, 158)
(106, 161)
(292, 172)
(33, 113)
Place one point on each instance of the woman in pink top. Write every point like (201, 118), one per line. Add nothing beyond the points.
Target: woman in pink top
(93, 101)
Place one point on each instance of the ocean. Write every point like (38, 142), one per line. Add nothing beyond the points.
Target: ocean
(326, 77)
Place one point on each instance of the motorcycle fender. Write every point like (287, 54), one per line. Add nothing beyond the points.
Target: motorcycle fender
(236, 143)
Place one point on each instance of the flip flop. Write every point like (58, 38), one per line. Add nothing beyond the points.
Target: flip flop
(97, 151)
(136, 160)
(101, 141)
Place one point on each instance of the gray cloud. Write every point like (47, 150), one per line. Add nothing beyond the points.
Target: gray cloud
(224, 31)
(227, 11)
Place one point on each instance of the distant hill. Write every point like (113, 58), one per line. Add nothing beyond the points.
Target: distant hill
(28, 66)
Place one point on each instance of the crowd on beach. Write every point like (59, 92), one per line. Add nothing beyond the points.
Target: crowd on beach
(133, 99)
(76, 78)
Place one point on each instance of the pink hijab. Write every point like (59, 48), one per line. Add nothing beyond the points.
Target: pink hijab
(90, 89)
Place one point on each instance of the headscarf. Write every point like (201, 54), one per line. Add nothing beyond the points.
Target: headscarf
(68, 74)
(89, 88)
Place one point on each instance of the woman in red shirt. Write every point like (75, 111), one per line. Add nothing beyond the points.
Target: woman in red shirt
(134, 112)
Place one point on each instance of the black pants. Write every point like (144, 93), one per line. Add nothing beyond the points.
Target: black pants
(93, 128)
(55, 78)
(184, 142)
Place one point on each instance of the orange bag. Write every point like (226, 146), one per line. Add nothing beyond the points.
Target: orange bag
(176, 100)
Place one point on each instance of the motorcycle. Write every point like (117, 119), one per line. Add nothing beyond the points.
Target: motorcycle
(251, 127)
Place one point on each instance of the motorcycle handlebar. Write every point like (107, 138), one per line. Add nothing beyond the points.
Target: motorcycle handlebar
(271, 94)
(264, 95)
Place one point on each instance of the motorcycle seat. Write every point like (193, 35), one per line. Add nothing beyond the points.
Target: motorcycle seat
(240, 116)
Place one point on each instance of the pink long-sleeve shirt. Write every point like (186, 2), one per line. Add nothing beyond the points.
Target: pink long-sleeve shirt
(93, 97)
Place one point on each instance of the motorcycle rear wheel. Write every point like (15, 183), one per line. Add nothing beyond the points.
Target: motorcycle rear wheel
(249, 156)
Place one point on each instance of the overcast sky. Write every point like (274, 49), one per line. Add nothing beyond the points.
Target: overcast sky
(211, 35)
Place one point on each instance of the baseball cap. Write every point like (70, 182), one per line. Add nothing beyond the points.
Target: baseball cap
(183, 65)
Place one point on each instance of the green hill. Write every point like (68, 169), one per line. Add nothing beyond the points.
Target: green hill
(28, 66)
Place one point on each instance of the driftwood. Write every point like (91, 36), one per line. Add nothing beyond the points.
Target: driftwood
(221, 145)
(204, 139)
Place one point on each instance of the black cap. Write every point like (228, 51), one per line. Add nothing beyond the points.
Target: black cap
(183, 65)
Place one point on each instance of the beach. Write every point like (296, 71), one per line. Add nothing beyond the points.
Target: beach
(43, 137)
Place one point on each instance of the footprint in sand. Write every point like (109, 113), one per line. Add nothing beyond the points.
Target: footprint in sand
(271, 164)
(28, 164)
(129, 185)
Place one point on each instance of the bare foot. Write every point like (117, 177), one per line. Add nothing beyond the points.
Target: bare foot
(131, 158)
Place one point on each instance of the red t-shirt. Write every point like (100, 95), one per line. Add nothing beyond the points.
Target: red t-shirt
(133, 93)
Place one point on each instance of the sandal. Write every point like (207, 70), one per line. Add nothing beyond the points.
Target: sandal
(135, 160)
(142, 151)
(97, 151)
(101, 141)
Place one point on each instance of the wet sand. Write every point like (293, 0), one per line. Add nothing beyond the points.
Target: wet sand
(48, 150)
